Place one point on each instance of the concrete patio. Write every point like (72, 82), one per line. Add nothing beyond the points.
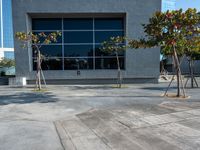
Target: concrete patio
(98, 117)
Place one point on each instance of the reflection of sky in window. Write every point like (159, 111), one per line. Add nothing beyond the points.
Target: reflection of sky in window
(7, 24)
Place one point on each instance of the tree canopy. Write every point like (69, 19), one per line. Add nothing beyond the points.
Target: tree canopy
(172, 28)
(114, 44)
(37, 38)
(177, 33)
(5, 62)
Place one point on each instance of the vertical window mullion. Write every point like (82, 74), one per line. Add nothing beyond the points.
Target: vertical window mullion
(94, 58)
(63, 53)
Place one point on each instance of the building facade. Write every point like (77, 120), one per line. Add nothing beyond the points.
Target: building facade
(6, 30)
(76, 57)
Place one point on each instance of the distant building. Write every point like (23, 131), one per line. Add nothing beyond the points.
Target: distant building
(168, 5)
(6, 30)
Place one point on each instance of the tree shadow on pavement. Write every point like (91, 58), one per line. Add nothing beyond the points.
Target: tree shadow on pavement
(25, 98)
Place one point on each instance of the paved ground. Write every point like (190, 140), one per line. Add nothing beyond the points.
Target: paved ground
(98, 117)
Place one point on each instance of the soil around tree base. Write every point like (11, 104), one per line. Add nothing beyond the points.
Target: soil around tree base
(174, 96)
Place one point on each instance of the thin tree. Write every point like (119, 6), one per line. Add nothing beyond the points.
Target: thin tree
(170, 30)
(36, 41)
(193, 54)
(115, 46)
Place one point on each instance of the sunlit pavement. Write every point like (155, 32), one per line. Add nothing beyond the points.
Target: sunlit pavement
(98, 117)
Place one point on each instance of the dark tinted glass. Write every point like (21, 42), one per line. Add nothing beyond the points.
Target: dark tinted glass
(78, 37)
(49, 64)
(100, 52)
(78, 63)
(46, 24)
(78, 24)
(59, 38)
(49, 51)
(101, 36)
(78, 50)
(108, 63)
(105, 24)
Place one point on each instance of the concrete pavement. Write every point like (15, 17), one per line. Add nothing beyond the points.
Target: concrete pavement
(98, 117)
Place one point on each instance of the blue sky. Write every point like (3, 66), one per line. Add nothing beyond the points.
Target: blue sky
(184, 4)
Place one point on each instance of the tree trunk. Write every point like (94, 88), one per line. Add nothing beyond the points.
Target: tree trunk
(177, 68)
(178, 72)
(39, 75)
(191, 75)
(178, 82)
(38, 71)
(119, 76)
(191, 63)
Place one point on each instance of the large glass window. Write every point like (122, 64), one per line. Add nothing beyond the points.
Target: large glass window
(79, 47)
(52, 53)
(47, 24)
(78, 51)
(101, 36)
(49, 51)
(58, 40)
(108, 63)
(9, 54)
(78, 24)
(78, 37)
(49, 64)
(109, 24)
(99, 52)
(78, 63)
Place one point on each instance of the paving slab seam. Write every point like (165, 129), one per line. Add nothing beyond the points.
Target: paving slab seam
(160, 124)
(9, 120)
(124, 124)
(100, 138)
(66, 134)
(148, 124)
(58, 136)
